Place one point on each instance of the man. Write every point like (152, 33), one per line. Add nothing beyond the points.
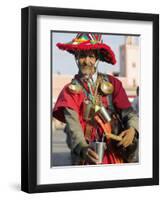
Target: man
(95, 107)
(135, 103)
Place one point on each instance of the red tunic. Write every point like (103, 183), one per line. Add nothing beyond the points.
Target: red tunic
(75, 101)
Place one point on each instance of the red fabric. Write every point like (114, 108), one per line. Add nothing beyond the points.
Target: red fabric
(120, 99)
(106, 52)
(75, 102)
(69, 100)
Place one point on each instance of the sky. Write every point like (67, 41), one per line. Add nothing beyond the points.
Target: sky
(64, 62)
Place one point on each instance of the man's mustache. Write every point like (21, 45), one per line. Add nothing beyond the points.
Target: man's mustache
(87, 65)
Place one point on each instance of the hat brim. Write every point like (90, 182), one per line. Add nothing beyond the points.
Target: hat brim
(106, 53)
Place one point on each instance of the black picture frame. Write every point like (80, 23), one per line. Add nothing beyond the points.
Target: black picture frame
(29, 98)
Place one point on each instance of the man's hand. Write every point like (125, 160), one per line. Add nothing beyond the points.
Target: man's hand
(127, 137)
(89, 155)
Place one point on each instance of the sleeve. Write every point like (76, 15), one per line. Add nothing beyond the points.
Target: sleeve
(131, 153)
(66, 100)
(130, 119)
(74, 130)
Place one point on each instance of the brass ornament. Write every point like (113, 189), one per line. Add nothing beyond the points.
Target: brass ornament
(74, 88)
(106, 87)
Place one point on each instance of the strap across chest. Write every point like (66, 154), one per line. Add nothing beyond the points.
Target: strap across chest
(93, 93)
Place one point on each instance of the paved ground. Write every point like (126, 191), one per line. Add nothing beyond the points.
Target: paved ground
(60, 150)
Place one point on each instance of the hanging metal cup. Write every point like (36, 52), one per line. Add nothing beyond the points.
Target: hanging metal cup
(99, 148)
(103, 113)
(88, 110)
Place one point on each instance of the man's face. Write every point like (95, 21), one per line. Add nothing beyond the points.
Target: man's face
(87, 60)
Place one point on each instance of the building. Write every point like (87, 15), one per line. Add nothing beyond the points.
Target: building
(130, 62)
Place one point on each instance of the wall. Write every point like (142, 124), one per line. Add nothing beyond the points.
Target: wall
(10, 87)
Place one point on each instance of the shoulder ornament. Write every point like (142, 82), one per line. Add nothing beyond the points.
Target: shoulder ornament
(106, 87)
(74, 88)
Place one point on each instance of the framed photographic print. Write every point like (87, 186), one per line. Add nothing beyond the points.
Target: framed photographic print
(90, 99)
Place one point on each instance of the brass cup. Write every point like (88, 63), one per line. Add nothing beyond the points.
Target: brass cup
(106, 87)
(74, 88)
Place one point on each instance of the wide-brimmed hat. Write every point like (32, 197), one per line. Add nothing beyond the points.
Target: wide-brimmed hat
(89, 41)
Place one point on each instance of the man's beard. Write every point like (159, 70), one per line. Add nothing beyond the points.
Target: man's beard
(87, 70)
